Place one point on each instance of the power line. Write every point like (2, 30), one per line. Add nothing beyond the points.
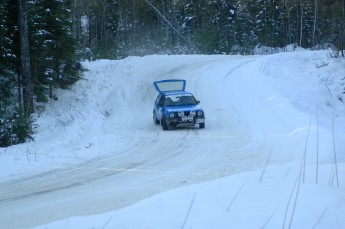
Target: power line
(168, 22)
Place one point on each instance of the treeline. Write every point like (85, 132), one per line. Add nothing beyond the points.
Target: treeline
(115, 29)
(43, 41)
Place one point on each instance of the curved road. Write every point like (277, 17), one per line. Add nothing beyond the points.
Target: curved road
(149, 160)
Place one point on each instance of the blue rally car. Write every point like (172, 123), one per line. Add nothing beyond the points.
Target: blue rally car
(176, 107)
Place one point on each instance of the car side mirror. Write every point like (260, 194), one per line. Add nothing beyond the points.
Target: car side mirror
(198, 101)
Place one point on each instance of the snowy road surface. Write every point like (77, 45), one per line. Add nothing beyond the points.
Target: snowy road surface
(98, 150)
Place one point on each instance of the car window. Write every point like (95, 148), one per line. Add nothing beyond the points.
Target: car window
(179, 100)
(168, 102)
(158, 98)
(161, 101)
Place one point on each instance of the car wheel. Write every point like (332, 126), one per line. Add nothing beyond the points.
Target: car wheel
(155, 120)
(164, 124)
(202, 125)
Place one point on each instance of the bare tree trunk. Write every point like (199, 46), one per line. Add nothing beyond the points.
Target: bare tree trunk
(340, 27)
(315, 20)
(25, 58)
(74, 19)
(342, 23)
(301, 23)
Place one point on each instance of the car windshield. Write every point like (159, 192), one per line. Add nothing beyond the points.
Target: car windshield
(178, 100)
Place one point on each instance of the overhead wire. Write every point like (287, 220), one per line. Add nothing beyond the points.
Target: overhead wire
(167, 21)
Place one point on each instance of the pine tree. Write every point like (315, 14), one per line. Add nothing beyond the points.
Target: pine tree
(263, 22)
(5, 92)
(245, 38)
(15, 124)
(53, 47)
(9, 51)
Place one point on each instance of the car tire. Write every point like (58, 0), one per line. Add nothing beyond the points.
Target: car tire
(202, 125)
(155, 120)
(164, 124)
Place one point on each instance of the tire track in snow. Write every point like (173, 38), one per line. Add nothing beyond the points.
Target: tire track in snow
(151, 161)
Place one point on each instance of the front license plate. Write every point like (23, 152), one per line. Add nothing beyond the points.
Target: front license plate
(199, 120)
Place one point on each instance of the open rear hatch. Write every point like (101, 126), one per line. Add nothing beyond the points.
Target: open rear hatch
(170, 85)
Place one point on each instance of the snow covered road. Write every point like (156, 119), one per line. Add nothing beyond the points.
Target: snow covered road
(98, 150)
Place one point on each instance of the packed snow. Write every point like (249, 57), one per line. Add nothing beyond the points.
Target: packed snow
(272, 154)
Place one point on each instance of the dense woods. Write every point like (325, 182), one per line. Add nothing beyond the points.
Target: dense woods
(116, 29)
(43, 41)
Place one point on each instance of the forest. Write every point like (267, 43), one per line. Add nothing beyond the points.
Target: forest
(43, 42)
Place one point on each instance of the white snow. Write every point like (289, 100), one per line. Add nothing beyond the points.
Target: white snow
(98, 160)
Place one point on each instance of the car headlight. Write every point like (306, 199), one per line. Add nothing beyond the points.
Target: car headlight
(200, 113)
(172, 115)
(192, 113)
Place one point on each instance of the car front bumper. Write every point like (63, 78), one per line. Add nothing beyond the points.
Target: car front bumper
(177, 121)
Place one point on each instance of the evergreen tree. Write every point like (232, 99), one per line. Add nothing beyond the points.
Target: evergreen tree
(224, 17)
(15, 127)
(15, 124)
(137, 29)
(210, 24)
(307, 21)
(267, 22)
(9, 50)
(5, 92)
(53, 47)
(245, 38)
(52, 52)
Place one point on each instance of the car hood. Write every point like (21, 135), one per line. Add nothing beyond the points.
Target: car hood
(170, 85)
(182, 108)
